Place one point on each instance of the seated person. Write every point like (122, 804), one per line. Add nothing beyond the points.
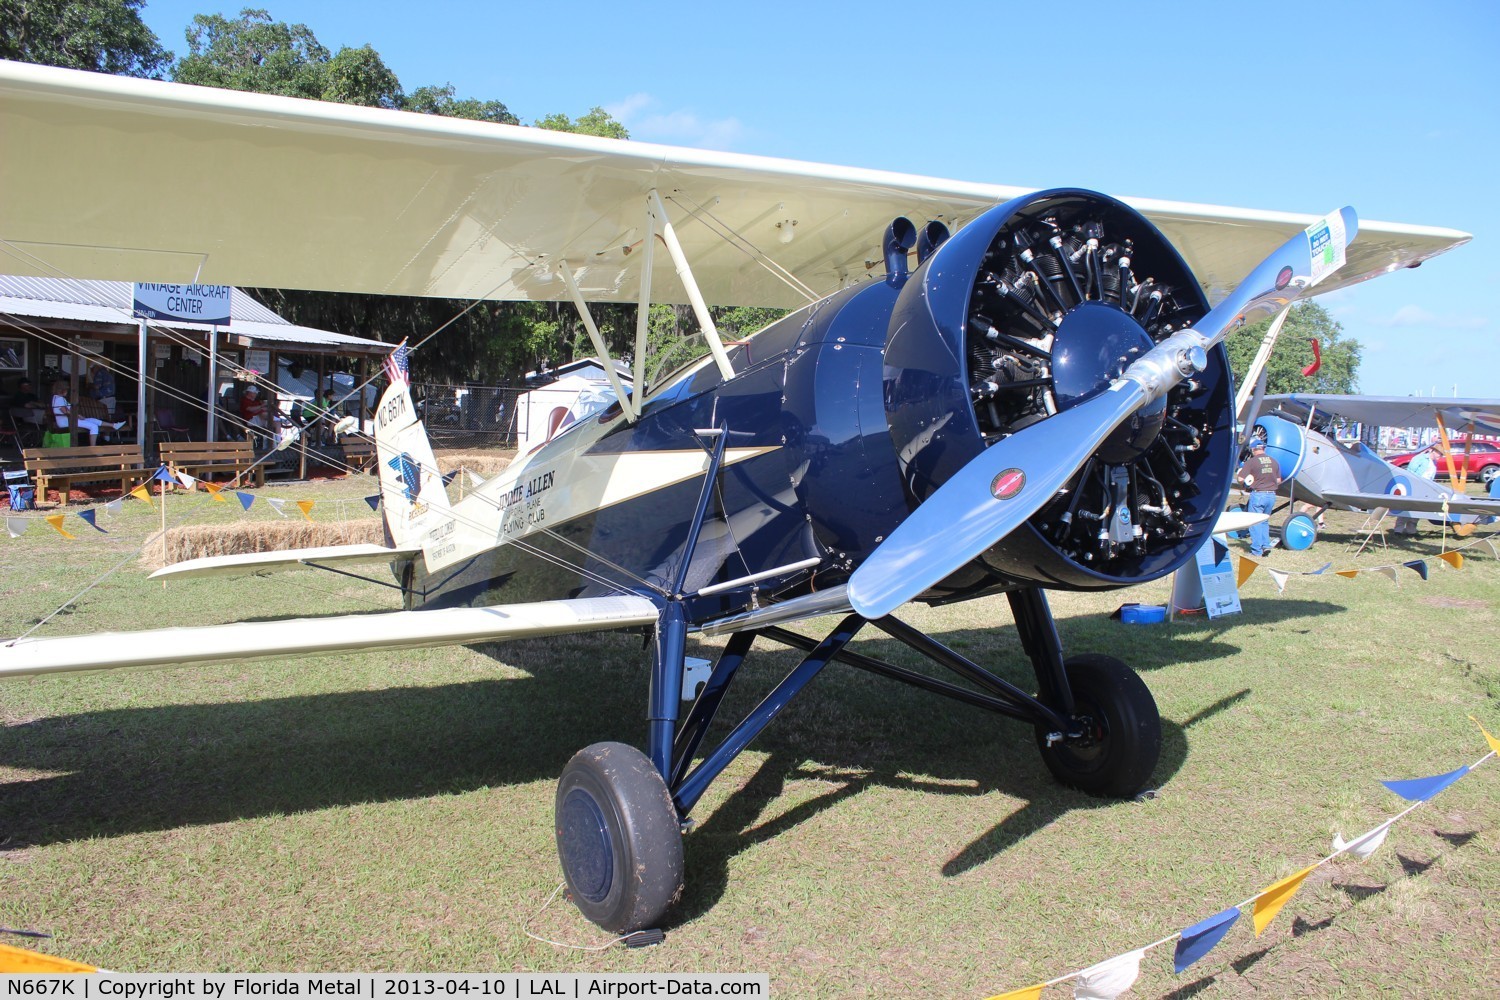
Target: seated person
(318, 417)
(104, 387)
(62, 414)
(26, 405)
(254, 412)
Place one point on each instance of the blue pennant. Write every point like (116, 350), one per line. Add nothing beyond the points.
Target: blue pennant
(1199, 939)
(1420, 565)
(246, 499)
(1422, 789)
(89, 516)
(164, 474)
(449, 477)
(373, 501)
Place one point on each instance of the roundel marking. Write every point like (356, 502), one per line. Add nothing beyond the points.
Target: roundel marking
(1007, 484)
(1283, 278)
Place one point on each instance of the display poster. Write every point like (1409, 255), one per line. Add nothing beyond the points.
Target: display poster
(1208, 581)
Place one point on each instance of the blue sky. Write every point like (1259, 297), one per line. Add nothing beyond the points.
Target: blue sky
(1393, 108)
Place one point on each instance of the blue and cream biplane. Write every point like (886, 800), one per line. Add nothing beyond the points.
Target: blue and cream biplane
(1019, 391)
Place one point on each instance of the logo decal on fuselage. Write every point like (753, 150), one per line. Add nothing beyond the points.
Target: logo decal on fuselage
(1007, 484)
(409, 474)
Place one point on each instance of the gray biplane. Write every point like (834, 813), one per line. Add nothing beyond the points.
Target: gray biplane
(1022, 391)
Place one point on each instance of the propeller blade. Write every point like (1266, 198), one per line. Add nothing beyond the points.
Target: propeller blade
(1003, 486)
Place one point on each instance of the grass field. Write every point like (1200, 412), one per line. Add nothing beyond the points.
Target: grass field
(392, 811)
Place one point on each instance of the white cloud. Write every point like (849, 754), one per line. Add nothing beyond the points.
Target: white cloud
(682, 127)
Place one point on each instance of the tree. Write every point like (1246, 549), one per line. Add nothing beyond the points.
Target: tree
(253, 53)
(440, 101)
(360, 76)
(597, 122)
(1339, 372)
(105, 36)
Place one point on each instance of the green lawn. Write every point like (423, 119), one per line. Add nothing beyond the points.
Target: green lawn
(392, 811)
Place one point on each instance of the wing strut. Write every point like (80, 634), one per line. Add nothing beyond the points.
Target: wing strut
(628, 405)
(700, 309)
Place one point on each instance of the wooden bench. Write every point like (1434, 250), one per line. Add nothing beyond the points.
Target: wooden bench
(203, 459)
(358, 450)
(60, 468)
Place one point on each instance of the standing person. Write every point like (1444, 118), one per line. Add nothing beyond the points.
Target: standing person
(1424, 464)
(104, 387)
(1260, 474)
(62, 414)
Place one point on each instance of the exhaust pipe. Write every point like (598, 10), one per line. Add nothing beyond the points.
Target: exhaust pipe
(900, 237)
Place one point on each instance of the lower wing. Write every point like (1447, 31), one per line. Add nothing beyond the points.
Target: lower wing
(1423, 505)
(313, 636)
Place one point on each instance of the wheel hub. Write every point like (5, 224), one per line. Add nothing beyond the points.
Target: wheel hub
(584, 846)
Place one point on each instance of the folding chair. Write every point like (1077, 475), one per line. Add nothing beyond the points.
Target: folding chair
(22, 493)
(166, 426)
(1374, 524)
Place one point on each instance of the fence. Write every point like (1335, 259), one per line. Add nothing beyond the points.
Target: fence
(468, 416)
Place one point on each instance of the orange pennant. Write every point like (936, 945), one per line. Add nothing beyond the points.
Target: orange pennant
(213, 491)
(1029, 993)
(306, 506)
(1454, 559)
(56, 520)
(1247, 568)
(1350, 573)
(20, 960)
(1271, 900)
(1494, 743)
(143, 493)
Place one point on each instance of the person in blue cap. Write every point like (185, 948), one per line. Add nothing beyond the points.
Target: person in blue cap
(1260, 474)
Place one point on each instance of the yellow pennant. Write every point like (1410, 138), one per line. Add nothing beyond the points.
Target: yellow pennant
(143, 493)
(56, 521)
(1246, 569)
(1350, 573)
(214, 491)
(1029, 993)
(1454, 559)
(20, 960)
(306, 506)
(1494, 743)
(1271, 900)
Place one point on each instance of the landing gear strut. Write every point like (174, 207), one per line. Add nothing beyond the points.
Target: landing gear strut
(619, 812)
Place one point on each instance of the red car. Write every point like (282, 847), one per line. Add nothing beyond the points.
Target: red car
(1482, 460)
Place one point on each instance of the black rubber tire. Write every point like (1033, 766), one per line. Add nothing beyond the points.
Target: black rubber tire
(1119, 754)
(618, 838)
(1488, 473)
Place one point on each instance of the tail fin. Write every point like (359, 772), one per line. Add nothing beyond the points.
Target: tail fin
(411, 486)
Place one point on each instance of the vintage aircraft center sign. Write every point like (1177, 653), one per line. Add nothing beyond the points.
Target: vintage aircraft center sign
(192, 303)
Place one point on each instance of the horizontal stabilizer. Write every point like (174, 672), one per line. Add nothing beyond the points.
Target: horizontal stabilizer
(1424, 505)
(314, 636)
(247, 564)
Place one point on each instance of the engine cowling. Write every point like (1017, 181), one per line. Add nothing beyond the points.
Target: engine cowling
(1028, 310)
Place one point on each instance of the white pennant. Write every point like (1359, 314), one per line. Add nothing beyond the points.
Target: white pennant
(1109, 978)
(1366, 845)
(113, 507)
(474, 478)
(187, 480)
(276, 506)
(17, 526)
(1279, 578)
(1389, 571)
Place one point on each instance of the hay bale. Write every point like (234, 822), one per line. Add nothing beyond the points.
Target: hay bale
(198, 540)
(485, 463)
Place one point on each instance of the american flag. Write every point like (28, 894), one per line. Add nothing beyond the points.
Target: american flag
(396, 368)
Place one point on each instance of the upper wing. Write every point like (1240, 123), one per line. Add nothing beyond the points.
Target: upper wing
(142, 180)
(311, 636)
(1394, 411)
(250, 563)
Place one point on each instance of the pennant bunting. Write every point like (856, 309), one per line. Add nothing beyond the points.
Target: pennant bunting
(276, 505)
(373, 501)
(89, 517)
(1454, 559)
(1320, 570)
(17, 526)
(1388, 571)
(56, 520)
(1110, 978)
(475, 479)
(306, 506)
(187, 480)
(1419, 566)
(213, 490)
(1279, 577)
(1493, 551)
(164, 474)
(1029, 993)
(246, 499)
(1272, 899)
(113, 507)
(1365, 846)
(1422, 789)
(144, 494)
(1199, 939)
(1494, 743)
(1348, 573)
(450, 476)
(1246, 569)
(13, 959)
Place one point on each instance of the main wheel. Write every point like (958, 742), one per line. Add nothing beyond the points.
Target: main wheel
(1298, 532)
(1488, 473)
(618, 837)
(1121, 741)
